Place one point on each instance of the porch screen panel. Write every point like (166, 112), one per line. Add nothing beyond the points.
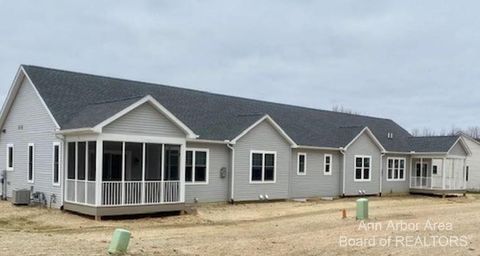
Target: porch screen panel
(81, 160)
(112, 161)
(172, 162)
(92, 160)
(133, 161)
(153, 162)
(71, 160)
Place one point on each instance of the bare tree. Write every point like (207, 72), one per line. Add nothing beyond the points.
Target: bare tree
(472, 131)
(342, 109)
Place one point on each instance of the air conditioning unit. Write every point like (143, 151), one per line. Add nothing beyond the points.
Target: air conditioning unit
(21, 196)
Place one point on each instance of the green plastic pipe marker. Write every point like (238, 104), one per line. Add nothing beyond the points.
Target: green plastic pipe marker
(362, 209)
(120, 240)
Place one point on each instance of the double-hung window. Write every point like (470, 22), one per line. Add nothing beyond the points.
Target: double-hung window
(31, 162)
(196, 166)
(302, 164)
(362, 168)
(56, 164)
(262, 166)
(327, 164)
(395, 168)
(10, 157)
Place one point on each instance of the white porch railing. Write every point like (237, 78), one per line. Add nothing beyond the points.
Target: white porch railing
(451, 183)
(140, 192)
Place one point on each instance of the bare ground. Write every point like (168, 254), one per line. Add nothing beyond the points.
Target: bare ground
(278, 228)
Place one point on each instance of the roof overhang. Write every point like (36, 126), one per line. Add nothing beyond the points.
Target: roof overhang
(274, 125)
(367, 131)
(12, 93)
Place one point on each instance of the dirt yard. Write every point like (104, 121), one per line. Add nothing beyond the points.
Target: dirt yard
(277, 228)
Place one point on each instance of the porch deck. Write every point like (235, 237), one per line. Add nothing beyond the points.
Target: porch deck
(437, 191)
(99, 211)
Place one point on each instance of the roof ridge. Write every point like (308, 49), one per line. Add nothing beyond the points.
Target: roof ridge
(211, 93)
(436, 136)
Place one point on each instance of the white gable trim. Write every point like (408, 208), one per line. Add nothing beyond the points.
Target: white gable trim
(275, 126)
(464, 145)
(12, 94)
(148, 99)
(372, 136)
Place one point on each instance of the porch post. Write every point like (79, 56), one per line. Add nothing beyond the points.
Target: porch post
(182, 172)
(162, 184)
(76, 170)
(421, 171)
(143, 173)
(444, 162)
(123, 173)
(464, 173)
(411, 171)
(99, 172)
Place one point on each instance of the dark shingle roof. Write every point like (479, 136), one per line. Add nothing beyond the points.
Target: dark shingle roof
(432, 143)
(79, 100)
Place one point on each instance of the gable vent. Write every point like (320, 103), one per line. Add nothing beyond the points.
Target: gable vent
(390, 135)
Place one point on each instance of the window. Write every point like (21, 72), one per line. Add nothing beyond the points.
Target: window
(466, 174)
(9, 157)
(31, 163)
(262, 169)
(362, 168)
(172, 162)
(434, 170)
(196, 166)
(395, 168)
(327, 164)
(301, 163)
(72, 153)
(56, 164)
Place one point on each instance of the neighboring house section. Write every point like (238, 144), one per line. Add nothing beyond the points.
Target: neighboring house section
(213, 186)
(105, 146)
(396, 173)
(473, 164)
(363, 166)
(262, 164)
(28, 125)
(315, 173)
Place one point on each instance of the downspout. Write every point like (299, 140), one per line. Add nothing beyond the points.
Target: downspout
(342, 150)
(381, 172)
(232, 184)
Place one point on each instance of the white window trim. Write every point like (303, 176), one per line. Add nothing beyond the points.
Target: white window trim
(298, 164)
(393, 168)
(363, 168)
(8, 168)
(59, 163)
(33, 162)
(263, 167)
(207, 170)
(325, 164)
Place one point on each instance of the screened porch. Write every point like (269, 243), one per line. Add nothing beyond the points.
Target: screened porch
(438, 174)
(123, 173)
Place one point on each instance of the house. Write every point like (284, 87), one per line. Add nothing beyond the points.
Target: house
(473, 164)
(105, 146)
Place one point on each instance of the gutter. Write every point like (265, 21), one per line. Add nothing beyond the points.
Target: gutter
(232, 191)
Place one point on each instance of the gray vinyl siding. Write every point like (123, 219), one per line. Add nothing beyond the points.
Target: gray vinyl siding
(395, 186)
(364, 146)
(314, 183)
(217, 188)
(458, 150)
(144, 120)
(473, 163)
(38, 128)
(262, 137)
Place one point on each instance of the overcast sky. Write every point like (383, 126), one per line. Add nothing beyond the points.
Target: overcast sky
(416, 62)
